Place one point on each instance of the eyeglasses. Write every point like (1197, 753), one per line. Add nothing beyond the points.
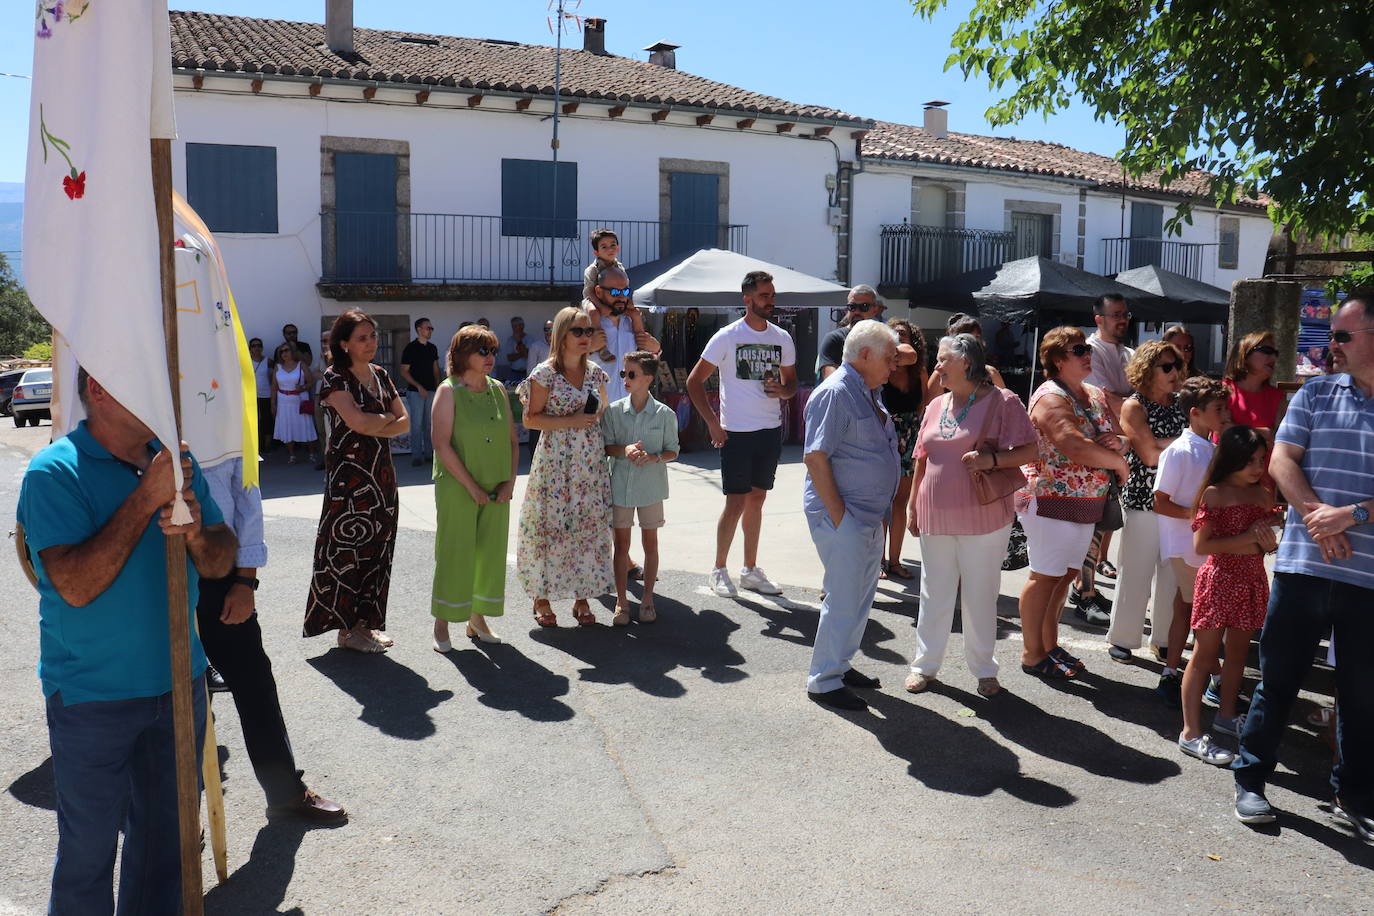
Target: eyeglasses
(1265, 349)
(1344, 337)
(630, 374)
(616, 293)
(485, 351)
(1170, 367)
(581, 332)
(1080, 349)
(1124, 316)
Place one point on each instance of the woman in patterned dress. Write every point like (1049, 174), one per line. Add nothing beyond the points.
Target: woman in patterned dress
(904, 397)
(563, 549)
(1150, 421)
(348, 590)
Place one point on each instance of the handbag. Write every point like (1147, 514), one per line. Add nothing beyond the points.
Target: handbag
(1111, 517)
(307, 404)
(1018, 555)
(996, 483)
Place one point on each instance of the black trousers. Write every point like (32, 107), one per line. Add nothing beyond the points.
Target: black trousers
(265, 428)
(236, 652)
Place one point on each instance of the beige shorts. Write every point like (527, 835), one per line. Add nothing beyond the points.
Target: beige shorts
(649, 516)
(1186, 574)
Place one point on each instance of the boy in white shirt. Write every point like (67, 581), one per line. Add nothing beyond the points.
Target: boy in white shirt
(1182, 471)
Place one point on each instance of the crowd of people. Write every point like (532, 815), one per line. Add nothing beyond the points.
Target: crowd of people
(1189, 468)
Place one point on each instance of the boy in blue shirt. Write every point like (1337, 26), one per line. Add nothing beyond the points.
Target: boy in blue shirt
(641, 436)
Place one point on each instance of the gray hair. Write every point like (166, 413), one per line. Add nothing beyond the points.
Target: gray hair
(868, 335)
(863, 289)
(970, 348)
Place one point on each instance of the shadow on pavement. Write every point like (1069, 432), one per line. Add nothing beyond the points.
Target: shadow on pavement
(260, 884)
(796, 623)
(939, 751)
(395, 700)
(643, 656)
(36, 788)
(509, 681)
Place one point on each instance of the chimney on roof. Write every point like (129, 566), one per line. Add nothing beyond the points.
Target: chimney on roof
(936, 119)
(594, 35)
(662, 54)
(338, 26)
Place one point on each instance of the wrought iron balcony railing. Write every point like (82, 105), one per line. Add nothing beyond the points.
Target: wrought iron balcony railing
(911, 255)
(1184, 258)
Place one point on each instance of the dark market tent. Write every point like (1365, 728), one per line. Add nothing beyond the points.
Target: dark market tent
(710, 278)
(1035, 291)
(1195, 300)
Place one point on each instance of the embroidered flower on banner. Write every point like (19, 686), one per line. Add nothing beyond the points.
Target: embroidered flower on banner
(74, 184)
(48, 13)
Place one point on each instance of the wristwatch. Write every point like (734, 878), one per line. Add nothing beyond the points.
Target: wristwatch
(1359, 513)
(245, 580)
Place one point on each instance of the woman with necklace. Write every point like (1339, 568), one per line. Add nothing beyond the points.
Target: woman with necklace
(1151, 421)
(348, 591)
(475, 463)
(563, 548)
(975, 426)
(1065, 494)
(904, 397)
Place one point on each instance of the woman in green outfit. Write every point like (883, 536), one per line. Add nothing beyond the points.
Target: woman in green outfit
(475, 454)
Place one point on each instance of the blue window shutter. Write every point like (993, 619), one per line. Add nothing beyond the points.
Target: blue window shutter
(527, 207)
(694, 205)
(366, 218)
(233, 188)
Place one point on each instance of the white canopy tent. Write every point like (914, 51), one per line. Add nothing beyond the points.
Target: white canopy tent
(710, 279)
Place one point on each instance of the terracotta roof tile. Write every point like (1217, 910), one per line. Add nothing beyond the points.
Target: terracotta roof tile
(906, 142)
(209, 41)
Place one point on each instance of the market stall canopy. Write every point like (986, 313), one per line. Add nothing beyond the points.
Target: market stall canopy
(710, 279)
(1192, 299)
(1033, 291)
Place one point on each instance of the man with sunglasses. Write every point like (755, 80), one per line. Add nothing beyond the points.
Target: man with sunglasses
(863, 303)
(615, 335)
(1323, 462)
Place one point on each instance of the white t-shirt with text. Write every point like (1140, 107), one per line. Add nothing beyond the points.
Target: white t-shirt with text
(746, 357)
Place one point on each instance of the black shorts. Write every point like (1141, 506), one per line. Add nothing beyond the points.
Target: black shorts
(750, 460)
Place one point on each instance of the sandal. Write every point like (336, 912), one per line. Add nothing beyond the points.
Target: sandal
(1105, 568)
(1067, 660)
(582, 613)
(1049, 669)
(647, 614)
(545, 617)
(381, 639)
(898, 571)
(359, 642)
(621, 618)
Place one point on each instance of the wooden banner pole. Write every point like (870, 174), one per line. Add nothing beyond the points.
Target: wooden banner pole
(178, 612)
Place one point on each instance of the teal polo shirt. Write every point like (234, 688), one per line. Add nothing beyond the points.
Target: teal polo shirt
(116, 647)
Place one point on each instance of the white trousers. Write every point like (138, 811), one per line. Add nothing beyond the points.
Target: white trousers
(851, 556)
(1140, 564)
(967, 564)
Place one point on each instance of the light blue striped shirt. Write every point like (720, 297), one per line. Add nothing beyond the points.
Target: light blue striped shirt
(242, 510)
(1333, 422)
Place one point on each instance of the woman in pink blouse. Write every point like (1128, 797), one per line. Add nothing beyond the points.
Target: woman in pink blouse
(975, 426)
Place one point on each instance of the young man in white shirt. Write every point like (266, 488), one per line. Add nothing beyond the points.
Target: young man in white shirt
(758, 363)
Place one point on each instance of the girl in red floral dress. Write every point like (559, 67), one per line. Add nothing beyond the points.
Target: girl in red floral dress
(1233, 527)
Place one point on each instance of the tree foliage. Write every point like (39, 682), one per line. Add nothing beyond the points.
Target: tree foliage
(1265, 95)
(21, 325)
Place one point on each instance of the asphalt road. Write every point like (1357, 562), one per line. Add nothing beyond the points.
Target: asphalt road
(678, 768)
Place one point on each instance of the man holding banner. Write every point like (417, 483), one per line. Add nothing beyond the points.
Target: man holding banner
(95, 510)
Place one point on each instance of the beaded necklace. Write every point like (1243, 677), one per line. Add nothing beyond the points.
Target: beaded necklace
(949, 428)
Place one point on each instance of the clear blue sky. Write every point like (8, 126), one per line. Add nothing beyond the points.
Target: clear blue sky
(872, 58)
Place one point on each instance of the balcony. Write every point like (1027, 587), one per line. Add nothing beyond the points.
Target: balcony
(447, 255)
(911, 255)
(1184, 258)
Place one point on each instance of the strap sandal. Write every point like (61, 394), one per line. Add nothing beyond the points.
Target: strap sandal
(1067, 660)
(898, 571)
(1106, 568)
(1049, 669)
(622, 616)
(647, 614)
(359, 642)
(582, 613)
(544, 615)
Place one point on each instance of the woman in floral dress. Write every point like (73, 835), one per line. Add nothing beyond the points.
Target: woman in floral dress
(352, 576)
(563, 549)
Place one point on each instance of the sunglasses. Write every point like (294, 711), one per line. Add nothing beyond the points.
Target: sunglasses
(631, 374)
(1170, 367)
(1080, 349)
(1266, 350)
(1344, 337)
(581, 332)
(485, 351)
(616, 293)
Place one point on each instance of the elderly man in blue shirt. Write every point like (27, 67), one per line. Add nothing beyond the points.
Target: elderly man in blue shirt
(852, 469)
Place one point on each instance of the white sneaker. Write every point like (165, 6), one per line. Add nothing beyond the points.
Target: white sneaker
(721, 584)
(756, 580)
(1203, 749)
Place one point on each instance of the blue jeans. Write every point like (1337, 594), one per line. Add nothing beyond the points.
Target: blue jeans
(851, 555)
(1302, 609)
(114, 764)
(418, 408)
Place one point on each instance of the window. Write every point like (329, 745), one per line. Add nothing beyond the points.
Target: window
(1228, 252)
(1034, 235)
(528, 207)
(233, 188)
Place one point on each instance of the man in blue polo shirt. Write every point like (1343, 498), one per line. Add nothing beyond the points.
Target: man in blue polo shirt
(1324, 579)
(94, 507)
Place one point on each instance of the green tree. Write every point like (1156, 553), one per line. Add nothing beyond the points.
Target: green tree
(20, 324)
(1265, 95)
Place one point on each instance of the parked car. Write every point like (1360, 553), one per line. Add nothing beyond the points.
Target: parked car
(33, 397)
(7, 382)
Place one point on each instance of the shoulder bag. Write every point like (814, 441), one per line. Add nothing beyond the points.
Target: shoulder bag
(998, 482)
(1112, 517)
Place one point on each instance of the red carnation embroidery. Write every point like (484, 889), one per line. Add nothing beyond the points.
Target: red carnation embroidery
(75, 187)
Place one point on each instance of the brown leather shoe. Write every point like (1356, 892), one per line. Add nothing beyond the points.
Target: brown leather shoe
(311, 807)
